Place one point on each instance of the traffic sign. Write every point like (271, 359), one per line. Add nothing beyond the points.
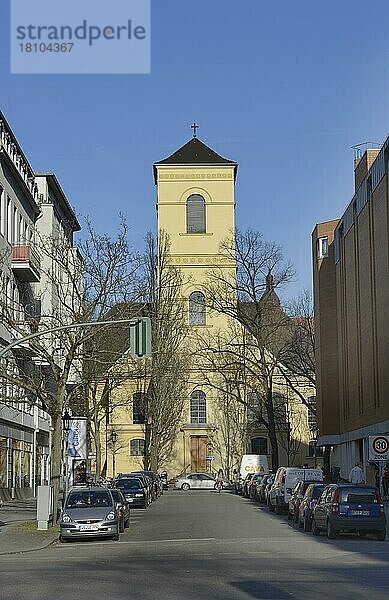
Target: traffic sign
(210, 458)
(379, 448)
(140, 337)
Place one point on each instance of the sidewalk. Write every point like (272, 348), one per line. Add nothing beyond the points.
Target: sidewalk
(17, 528)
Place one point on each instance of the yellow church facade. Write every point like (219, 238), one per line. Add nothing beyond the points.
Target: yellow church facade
(196, 209)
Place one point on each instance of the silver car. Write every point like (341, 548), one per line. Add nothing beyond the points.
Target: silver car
(89, 512)
(195, 481)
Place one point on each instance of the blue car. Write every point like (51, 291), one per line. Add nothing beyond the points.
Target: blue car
(349, 508)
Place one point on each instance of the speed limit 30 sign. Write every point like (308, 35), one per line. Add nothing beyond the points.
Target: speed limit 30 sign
(379, 447)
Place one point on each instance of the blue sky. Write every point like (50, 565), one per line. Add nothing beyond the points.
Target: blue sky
(284, 88)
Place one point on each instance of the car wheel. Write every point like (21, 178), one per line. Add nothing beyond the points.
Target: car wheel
(300, 522)
(290, 517)
(121, 527)
(381, 535)
(271, 507)
(185, 487)
(315, 529)
(306, 525)
(127, 523)
(296, 517)
(116, 537)
(331, 532)
(63, 540)
(278, 509)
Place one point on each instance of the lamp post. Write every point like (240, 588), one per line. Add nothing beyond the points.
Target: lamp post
(66, 419)
(113, 439)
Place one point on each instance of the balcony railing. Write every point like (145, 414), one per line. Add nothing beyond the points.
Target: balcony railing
(25, 262)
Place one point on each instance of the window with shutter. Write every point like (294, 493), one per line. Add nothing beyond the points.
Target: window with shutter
(195, 214)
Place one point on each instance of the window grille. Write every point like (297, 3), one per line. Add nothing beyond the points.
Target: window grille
(198, 407)
(137, 447)
(259, 445)
(312, 422)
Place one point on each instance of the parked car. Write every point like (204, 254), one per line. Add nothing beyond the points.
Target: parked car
(134, 490)
(249, 463)
(156, 483)
(348, 507)
(122, 508)
(195, 481)
(284, 481)
(89, 512)
(308, 503)
(253, 485)
(295, 499)
(164, 480)
(146, 481)
(261, 487)
(246, 484)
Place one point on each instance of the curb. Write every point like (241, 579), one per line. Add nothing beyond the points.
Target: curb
(35, 549)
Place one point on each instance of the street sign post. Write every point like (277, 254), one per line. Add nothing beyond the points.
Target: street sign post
(379, 448)
(140, 337)
(379, 453)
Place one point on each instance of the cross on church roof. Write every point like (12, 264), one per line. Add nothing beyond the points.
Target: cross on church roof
(194, 127)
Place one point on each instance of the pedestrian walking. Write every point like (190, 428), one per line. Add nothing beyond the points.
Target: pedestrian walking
(356, 475)
(385, 482)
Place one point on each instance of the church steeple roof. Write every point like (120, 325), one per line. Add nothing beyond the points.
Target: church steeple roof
(195, 152)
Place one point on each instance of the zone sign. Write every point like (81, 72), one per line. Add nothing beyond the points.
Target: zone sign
(379, 447)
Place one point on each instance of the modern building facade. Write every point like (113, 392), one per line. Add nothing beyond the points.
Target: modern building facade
(351, 295)
(32, 207)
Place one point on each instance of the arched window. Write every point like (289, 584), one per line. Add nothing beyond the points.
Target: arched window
(198, 407)
(195, 214)
(197, 308)
(137, 447)
(259, 445)
(138, 408)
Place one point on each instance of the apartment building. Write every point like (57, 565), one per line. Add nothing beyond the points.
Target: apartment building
(33, 207)
(351, 296)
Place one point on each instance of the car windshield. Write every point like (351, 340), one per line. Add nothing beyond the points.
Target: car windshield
(317, 490)
(128, 484)
(358, 495)
(88, 499)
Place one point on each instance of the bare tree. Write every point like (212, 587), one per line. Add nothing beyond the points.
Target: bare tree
(250, 299)
(167, 370)
(82, 284)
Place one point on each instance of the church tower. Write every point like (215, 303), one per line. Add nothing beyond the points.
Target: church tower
(196, 205)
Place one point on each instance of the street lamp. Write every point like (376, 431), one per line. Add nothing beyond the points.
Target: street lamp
(113, 439)
(66, 419)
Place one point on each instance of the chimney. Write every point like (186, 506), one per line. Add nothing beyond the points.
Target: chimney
(362, 165)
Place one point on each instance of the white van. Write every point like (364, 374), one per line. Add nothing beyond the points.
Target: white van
(284, 482)
(250, 463)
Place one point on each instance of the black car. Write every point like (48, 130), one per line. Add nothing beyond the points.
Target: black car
(261, 488)
(122, 508)
(156, 485)
(147, 483)
(308, 503)
(134, 491)
(295, 499)
(349, 507)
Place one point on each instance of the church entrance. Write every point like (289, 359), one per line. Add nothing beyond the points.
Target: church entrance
(198, 452)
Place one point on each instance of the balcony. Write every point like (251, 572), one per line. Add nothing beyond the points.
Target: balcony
(25, 263)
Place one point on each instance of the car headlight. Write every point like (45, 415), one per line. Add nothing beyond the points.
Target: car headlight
(66, 518)
(110, 516)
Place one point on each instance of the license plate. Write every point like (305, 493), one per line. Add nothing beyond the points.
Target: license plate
(89, 527)
(363, 513)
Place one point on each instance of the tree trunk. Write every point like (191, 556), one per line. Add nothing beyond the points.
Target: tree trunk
(272, 431)
(56, 463)
(97, 441)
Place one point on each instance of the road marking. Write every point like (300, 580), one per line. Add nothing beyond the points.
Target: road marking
(139, 542)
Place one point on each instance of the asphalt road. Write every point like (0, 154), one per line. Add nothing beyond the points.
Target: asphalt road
(202, 545)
